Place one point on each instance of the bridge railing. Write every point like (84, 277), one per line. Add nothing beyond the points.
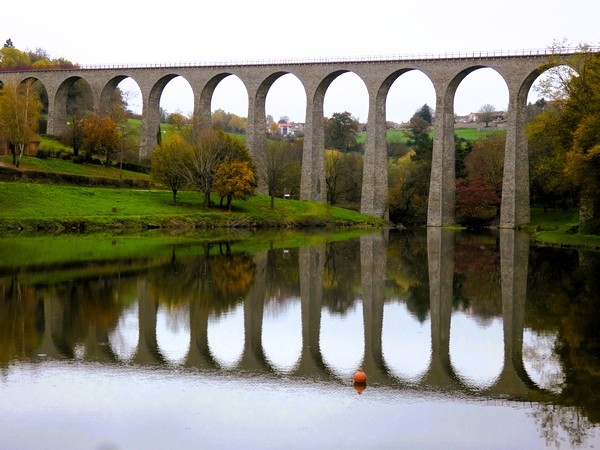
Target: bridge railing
(318, 60)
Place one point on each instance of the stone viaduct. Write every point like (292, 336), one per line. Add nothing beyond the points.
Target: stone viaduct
(518, 69)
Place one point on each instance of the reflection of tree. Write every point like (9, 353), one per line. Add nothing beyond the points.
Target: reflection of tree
(283, 274)
(407, 271)
(20, 330)
(341, 277)
(552, 419)
(89, 302)
(477, 285)
(232, 275)
(563, 293)
(218, 281)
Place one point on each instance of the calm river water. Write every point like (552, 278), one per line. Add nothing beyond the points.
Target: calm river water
(250, 340)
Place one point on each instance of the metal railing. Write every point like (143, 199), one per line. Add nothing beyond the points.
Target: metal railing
(318, 60)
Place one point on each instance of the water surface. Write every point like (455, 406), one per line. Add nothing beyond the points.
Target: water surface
(250, 340)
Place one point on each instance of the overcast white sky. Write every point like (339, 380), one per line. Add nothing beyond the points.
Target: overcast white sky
(112, 31)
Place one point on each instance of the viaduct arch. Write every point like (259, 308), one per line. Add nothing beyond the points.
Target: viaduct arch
(518, 69)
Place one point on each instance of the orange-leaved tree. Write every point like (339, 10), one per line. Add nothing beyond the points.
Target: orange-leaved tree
(100, 137)
(234, 180)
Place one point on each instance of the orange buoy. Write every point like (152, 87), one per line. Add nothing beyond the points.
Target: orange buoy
(360, 376)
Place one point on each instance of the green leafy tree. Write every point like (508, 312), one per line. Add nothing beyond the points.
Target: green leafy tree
(340, 132)
(19, 112)
(274, 168)
(548, 140)
(426, 113)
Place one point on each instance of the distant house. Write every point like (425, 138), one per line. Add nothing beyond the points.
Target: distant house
(289, 129)
(475, 117)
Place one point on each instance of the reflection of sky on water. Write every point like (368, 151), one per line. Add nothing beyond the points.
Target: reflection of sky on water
(97, 406)
(476, 351)
(226, 336)
(124, 338)
(282, 334)
(342, 340)
(173, 333)
(406, 342)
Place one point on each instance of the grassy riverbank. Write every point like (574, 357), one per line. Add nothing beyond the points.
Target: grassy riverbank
(558, 227)
(55, 208)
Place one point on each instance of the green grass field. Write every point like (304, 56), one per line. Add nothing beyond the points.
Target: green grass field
(51, 207)
(556, 227)
(471, 134)
(57, 165)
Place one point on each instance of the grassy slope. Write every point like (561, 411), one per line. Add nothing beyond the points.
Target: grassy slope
(57, 165)
(55, 207)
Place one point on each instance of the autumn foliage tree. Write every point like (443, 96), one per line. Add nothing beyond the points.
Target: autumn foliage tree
(478, 195)
(234, 180)
(100, 137)
(19, 112)
(167, 164)
(577, 143)
(208, 149)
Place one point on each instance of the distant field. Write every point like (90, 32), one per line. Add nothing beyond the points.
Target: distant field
(471, 134)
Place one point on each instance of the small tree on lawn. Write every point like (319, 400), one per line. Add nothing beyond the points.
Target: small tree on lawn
(234, 180)
(167, 164)
(100, 137)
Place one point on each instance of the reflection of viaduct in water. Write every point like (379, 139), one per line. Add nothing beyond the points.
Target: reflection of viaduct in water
(513, 382)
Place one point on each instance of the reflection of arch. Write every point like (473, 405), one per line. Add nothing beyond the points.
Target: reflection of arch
(178, 316)
(276, 343)
(514, 253)
(476, 350)
(311, 265)
(406, 342)
(128, 324)
(225, 346)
